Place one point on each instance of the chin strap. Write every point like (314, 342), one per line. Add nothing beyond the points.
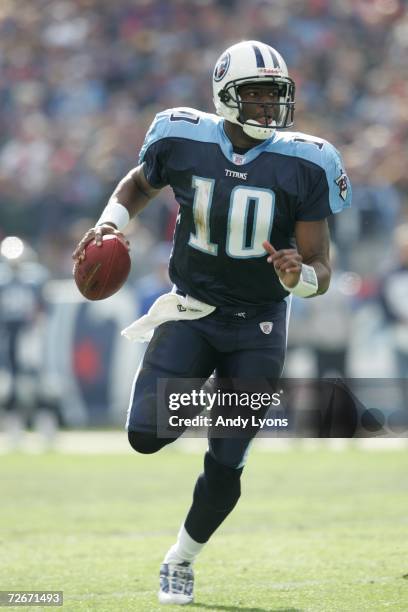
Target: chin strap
(252, 131)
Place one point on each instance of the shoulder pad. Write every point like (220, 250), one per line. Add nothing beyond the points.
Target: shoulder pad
(324, 154)
(181, 122)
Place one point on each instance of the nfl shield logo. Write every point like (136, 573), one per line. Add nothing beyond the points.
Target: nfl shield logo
(238, 159)
(266, 327)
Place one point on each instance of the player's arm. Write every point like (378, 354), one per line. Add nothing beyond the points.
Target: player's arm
(133, 192)
(130, 196)
(313, 244)
(306, 270)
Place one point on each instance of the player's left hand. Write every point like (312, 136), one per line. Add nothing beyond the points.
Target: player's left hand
(287, 263)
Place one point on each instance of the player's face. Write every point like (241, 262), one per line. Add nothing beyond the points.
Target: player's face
(259, 102)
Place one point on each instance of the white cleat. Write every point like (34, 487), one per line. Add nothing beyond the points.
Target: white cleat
(176, 583)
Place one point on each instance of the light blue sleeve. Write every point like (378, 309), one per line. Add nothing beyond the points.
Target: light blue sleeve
(339, 184)
(158, 129)
(182, 122)
(325, 155)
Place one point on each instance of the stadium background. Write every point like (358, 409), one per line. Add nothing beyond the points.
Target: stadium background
(80, 82)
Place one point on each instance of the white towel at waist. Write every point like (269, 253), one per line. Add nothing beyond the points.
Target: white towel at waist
(168, 307)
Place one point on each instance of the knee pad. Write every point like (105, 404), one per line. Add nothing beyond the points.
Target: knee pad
(145, 443)
(219, 485)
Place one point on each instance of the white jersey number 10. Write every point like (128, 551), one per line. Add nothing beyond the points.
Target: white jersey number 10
(238, 243)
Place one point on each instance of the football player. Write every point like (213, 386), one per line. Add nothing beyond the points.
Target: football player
(251, 230)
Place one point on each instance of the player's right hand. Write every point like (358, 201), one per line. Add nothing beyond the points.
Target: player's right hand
(94, 233)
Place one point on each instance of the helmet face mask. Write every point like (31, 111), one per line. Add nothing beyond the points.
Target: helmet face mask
(254, 63)
(281, 110)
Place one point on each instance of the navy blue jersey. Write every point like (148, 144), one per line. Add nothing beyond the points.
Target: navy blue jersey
(231, 203)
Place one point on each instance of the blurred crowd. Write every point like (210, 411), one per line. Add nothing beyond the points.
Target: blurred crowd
(81, 80)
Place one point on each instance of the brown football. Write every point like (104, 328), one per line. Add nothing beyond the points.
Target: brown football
(104, 269)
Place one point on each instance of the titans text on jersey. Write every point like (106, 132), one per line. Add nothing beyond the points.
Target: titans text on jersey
(230, 202)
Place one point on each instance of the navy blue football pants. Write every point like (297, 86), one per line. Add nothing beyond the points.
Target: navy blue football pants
(230, 342)
(247, 343)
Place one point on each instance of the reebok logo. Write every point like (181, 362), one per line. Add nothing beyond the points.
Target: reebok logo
(266, 327)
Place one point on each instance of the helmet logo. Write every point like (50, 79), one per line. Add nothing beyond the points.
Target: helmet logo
(222, 67)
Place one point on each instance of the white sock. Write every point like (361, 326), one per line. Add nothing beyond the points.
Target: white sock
(185, 549)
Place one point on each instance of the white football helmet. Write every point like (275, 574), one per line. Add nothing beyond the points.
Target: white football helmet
(247, 62)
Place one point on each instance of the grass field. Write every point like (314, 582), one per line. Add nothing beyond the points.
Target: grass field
(314, 530)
